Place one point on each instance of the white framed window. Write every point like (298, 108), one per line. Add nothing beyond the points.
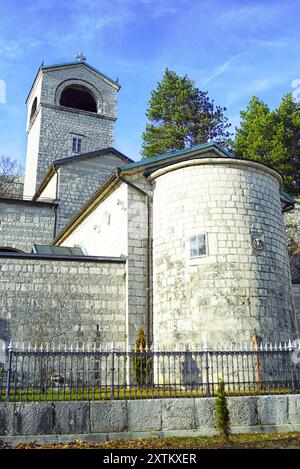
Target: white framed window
(77, 144)
(198, 245)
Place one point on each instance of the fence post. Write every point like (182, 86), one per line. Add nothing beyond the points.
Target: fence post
(290, 349)
(8, 378)
(112, 386)
(207, 370)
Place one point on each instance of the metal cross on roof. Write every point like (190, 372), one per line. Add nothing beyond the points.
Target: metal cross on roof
(80, 57)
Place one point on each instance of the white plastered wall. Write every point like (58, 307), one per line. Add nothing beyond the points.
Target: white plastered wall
(104, 231)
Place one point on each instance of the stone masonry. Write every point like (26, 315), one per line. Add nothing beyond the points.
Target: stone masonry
(78, 180)
(52, 125)
(235, 291)
(143, 418)
(23, 223)
(58, 300)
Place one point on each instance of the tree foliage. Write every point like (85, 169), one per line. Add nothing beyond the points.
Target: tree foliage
(180, 115)
(272, 137)
(10, 177)
(222, 412)
(142, 363)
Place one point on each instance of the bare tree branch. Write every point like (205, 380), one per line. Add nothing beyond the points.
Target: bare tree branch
(10, 177)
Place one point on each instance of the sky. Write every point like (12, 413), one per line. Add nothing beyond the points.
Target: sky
(232, 49)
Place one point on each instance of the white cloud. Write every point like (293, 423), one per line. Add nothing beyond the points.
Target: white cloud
(259, 85)
(220, 69)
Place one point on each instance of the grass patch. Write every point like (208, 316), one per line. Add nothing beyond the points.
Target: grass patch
(120, 393)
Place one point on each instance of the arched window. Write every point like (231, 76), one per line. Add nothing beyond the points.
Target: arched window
(78, 97)
(33, 108)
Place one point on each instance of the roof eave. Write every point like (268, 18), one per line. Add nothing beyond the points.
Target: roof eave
(87, 208)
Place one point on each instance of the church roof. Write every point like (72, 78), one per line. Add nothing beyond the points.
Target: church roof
(171, 154)
(93, 154)
(71, 64)
(152, 164)
(42, 68)
(76, 158)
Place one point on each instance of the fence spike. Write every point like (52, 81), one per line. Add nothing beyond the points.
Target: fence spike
(271, 347)
(275, 346)
(280, 346)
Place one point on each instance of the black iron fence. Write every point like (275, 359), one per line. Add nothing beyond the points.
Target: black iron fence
(41, 374)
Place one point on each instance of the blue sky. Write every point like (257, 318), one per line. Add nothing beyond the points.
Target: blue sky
(232, 49)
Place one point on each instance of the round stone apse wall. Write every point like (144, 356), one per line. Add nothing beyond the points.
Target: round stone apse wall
(220, 266)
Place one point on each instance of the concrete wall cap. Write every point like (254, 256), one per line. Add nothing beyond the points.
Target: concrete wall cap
(216, 161)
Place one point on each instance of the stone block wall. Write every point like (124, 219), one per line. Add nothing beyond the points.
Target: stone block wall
(234, 291)
(108, 420)
(78, 181)
(57, 125)
(61, 300)
(50, 131)
(139, 258)
(296, 297)
(23, 223)
(292, 225)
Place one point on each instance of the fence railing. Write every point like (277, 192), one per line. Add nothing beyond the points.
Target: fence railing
(41, 374)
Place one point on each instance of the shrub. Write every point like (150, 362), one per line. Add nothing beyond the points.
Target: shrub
(142, 363)
(222, 412)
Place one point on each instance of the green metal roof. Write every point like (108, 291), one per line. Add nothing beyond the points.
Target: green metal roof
(56, 250)
(289, 197)
(171, 154)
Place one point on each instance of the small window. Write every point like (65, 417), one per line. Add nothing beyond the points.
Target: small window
(33, 108)
(76, 144)
(198, 245)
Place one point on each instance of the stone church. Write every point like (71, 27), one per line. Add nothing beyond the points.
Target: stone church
(189, 245)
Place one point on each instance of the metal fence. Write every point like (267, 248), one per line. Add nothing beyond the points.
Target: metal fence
(68, 374)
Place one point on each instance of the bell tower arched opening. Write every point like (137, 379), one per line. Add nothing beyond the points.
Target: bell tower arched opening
(78, 97)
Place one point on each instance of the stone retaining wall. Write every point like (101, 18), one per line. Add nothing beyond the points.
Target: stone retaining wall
(144, 418)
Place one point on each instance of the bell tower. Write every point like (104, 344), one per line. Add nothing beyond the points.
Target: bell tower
(72, 109)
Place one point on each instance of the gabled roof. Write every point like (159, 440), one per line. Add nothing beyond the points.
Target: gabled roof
(73, 159)
(152, 164)
(93, 154)
(46, 68)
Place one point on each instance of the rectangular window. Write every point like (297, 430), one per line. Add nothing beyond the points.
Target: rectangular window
(76, 144)
(198, 245)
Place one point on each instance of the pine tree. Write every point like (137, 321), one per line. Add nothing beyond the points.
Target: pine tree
(272, 137)
(222, 412)
(180, 116)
